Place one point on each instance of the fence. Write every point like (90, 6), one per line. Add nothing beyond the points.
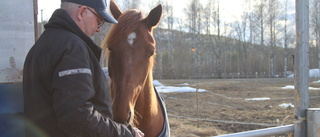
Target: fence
(263, 132)
(313, 120)
(301, 71)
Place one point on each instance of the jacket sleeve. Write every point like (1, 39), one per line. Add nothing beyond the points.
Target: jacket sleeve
(72, 98)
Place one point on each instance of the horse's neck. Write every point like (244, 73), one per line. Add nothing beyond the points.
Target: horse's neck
(148, 98)
(148, 101)
(150, 115)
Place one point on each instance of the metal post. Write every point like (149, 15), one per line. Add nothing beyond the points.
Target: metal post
(301, 68)
(313, 122)
(35, 19)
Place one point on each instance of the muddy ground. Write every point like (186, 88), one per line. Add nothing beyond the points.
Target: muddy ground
(223, 109)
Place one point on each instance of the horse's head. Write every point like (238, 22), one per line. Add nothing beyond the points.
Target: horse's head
(130, 51)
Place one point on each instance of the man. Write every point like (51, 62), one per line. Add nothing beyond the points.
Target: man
(65, 90)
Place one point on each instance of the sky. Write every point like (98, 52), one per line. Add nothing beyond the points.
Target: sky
(47, 7)
(228, 11)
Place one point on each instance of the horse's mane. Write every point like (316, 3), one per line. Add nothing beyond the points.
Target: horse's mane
(127, 23)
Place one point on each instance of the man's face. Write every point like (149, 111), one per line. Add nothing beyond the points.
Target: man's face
(93, 22)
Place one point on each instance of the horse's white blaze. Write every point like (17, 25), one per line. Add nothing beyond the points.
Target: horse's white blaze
(131, 38)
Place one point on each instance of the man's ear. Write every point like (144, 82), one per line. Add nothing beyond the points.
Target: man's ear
(81, 12)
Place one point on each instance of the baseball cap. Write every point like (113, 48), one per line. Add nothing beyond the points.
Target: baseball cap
(99, 5)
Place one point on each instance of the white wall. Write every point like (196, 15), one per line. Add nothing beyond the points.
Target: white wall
(16, 37)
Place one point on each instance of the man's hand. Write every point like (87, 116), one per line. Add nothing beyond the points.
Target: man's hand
(138, 133)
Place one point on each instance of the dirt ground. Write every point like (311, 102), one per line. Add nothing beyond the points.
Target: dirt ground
(223, 109)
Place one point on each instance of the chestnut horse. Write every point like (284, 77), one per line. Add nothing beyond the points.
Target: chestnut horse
(130, 51)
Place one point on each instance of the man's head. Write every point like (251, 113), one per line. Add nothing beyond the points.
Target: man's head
(89, 15)
(100, 6)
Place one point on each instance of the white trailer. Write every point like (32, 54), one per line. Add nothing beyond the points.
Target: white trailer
(17, 35)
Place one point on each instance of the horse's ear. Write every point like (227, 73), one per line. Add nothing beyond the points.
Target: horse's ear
(115, 10)
(154, 16)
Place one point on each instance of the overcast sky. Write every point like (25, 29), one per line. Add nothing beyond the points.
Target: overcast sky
(230, 9)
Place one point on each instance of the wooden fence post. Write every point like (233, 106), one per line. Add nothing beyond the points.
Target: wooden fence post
(197, 107)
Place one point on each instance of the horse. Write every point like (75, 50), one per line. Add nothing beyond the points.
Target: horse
(130, 53)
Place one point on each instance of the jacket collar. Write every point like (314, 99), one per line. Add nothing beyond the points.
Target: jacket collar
(60, 19)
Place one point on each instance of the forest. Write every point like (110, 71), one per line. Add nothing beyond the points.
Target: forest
(202, 44)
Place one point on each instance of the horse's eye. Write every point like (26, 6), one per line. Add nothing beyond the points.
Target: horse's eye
(110, 49)
(151, 53)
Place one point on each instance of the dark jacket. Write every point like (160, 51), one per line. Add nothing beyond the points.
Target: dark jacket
(65, 90)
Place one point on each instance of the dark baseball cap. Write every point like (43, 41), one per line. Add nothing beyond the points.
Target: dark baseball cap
(99, 5)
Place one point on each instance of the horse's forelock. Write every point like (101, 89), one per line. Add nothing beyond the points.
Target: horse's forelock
(129, 21)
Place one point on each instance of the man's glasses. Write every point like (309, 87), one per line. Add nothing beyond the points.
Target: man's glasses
(101, 20)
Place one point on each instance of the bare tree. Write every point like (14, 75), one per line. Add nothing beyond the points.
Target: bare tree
(273, 12)
(194, 10)
(258, 15)
(169, 20)
(218, 40)
(243, 27)
(249, 17)
(131, 4)
(199, 44)
(286, 37)
(315, 25)
(240, 29)
(208, 26)
(212, 14)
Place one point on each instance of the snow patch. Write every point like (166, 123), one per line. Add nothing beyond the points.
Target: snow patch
(313, 73)
(257, 99)
(157, 83)
(167, 89)
(292, 87)
(288, 87)
(286, 105)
